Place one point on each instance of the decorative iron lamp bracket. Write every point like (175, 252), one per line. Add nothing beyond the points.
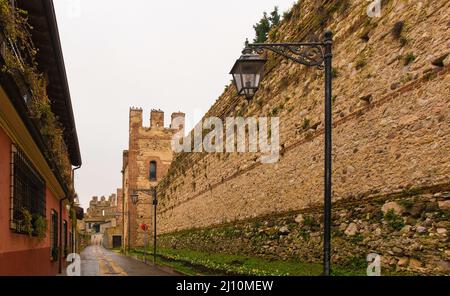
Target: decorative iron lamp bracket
(311, 54)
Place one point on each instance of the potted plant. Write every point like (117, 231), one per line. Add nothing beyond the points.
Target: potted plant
(27, 222)
(40, 227)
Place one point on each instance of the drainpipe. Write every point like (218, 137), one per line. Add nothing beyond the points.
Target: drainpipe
(73, 226)
(61, 222)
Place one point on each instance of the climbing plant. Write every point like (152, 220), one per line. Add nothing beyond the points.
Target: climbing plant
(19, 57)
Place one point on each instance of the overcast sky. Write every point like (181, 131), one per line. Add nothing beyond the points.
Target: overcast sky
(169, 55)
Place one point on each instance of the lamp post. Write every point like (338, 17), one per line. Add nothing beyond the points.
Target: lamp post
(247, 74)
(135, 198)
(155, 204)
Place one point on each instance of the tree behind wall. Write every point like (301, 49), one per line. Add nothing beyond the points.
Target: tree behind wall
(263, 27)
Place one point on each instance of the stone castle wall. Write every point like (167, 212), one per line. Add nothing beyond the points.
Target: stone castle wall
(103, 208)
(411, 239)
(390, 110)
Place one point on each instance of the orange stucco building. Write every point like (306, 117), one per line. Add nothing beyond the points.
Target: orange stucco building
(31, 182)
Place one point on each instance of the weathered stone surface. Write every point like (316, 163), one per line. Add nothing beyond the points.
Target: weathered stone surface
(446, 61)
(267, 237)
(299, 219)
(417, 209)
(443, 224)
(343, 226)
(441, 231)
(444, 205)
(392, 206)
(421, 229)
(352, 229)
(377, 232)
(397, 251)
(439, 61)
(406, 229)
(414, 263)
(284, 230)
(403, 261)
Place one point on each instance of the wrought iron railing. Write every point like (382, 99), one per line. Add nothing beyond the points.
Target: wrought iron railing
(27, 190)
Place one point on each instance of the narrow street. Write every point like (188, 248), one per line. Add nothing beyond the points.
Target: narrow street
(98, 261)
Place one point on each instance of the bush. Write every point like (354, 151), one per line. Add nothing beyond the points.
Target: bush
(306, 124)
(410, 57)
(361, 63)
(356, 262)
(407, 203)
(393, 220)
(309, 221)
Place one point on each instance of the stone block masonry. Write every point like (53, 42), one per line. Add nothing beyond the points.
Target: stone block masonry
(391, 126)
(408, 228)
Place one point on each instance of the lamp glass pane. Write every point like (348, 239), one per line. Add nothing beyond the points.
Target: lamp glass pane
(249, 80)
(238, 82)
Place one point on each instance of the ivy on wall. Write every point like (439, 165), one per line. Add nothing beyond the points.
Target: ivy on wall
(19, 55)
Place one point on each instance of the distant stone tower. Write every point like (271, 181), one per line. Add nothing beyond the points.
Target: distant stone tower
(145, 163)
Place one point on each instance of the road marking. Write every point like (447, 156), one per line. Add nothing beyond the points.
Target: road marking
(102, 267)
(117, 268)
(107, 266)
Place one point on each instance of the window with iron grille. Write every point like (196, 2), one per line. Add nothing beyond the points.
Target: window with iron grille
(27, 190)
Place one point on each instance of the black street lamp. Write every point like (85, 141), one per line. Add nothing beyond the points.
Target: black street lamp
(135, 199)
(247, 74)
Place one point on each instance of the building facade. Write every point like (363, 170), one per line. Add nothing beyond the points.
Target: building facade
(104, 218)
(145, 163)
(38, 143)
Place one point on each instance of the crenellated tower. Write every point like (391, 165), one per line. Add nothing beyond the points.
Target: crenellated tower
(145, 163)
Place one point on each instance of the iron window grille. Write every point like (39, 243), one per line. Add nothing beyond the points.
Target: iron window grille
(27, 190)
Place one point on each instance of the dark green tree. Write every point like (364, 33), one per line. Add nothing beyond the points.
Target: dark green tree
(263, 27)
(275, 17)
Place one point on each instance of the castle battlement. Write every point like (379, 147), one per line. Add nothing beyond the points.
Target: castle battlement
(156, 119)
